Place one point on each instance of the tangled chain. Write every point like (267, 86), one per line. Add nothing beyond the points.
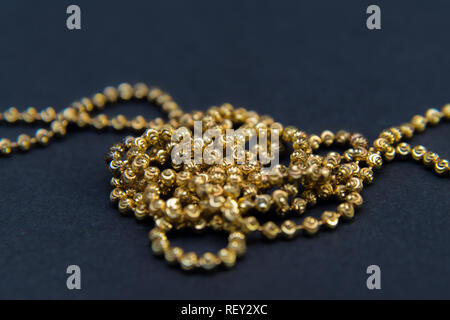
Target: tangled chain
(227, 196)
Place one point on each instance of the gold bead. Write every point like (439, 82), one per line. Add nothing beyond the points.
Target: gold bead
(24, 142)
(140, 90)
(299, 205)
(30, 115)
(270, 230)
(117, 194)
(327, 137)
(366, 174)
(407, 130)
(403, 149)
(238, 246)
(355, 199)
(342, 137)
(310, 225)
(138, 123)
(418, 152)
(346, 210)
(280, 198)
(173, 208)
(59, 127)
(126, 91)
(173, 254)
(209, 261)
(289, 229)
(99, 100)
(156, 233)
(125, 205)
(419, 122)
(119, 122)
(230, 209)
(153, 94)
(263, 203)
(433, 116)
(11, 115)
(5, 146)
(374, 160)
(110, 93)
(389, 153)
(48, 115)
(330, 219)
(430, 158)
(43, 136)
(163, 224)
(168, 177)
(160, 245)
(441, 166)
(228, 257)
(314, 142)
(192, 212)
(250, 224)
(188, 261)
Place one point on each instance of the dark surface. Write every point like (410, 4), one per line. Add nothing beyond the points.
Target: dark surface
(314, 65)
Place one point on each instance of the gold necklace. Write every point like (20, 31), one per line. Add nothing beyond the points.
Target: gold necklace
(226, 196)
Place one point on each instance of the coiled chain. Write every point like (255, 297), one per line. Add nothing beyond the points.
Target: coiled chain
(227, 196)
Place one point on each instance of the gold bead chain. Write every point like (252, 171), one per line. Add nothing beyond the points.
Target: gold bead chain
(226, 196)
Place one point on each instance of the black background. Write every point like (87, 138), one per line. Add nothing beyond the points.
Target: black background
(312, 64)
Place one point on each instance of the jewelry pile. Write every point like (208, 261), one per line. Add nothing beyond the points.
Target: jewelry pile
(227, 196)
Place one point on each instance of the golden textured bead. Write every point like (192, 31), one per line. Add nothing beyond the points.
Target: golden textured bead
(11, 115)
(270, 230)
(48, 115)
(310, 225)
(433, 116)
(99, 100)
(126, 91)
(389, 153)
(238, 245)
(280, 198)
(209, 261)
(441, 166)
(228, 257)
(156, 233)
(5, 146)
(429, 158)
(173, 254)
(289, 229)
(43, 136)
(403, 149)
(346, 210)
(250, 224)
(419, 122)
(24, 142)
(140, 90)
(355, 199)
(263, 203)
(30, 115)
(375, 160)
(407, 130)
(327, 137)
(330, 219)
(418, 152)
(159, 245)
(188, 261)
(299, 205)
